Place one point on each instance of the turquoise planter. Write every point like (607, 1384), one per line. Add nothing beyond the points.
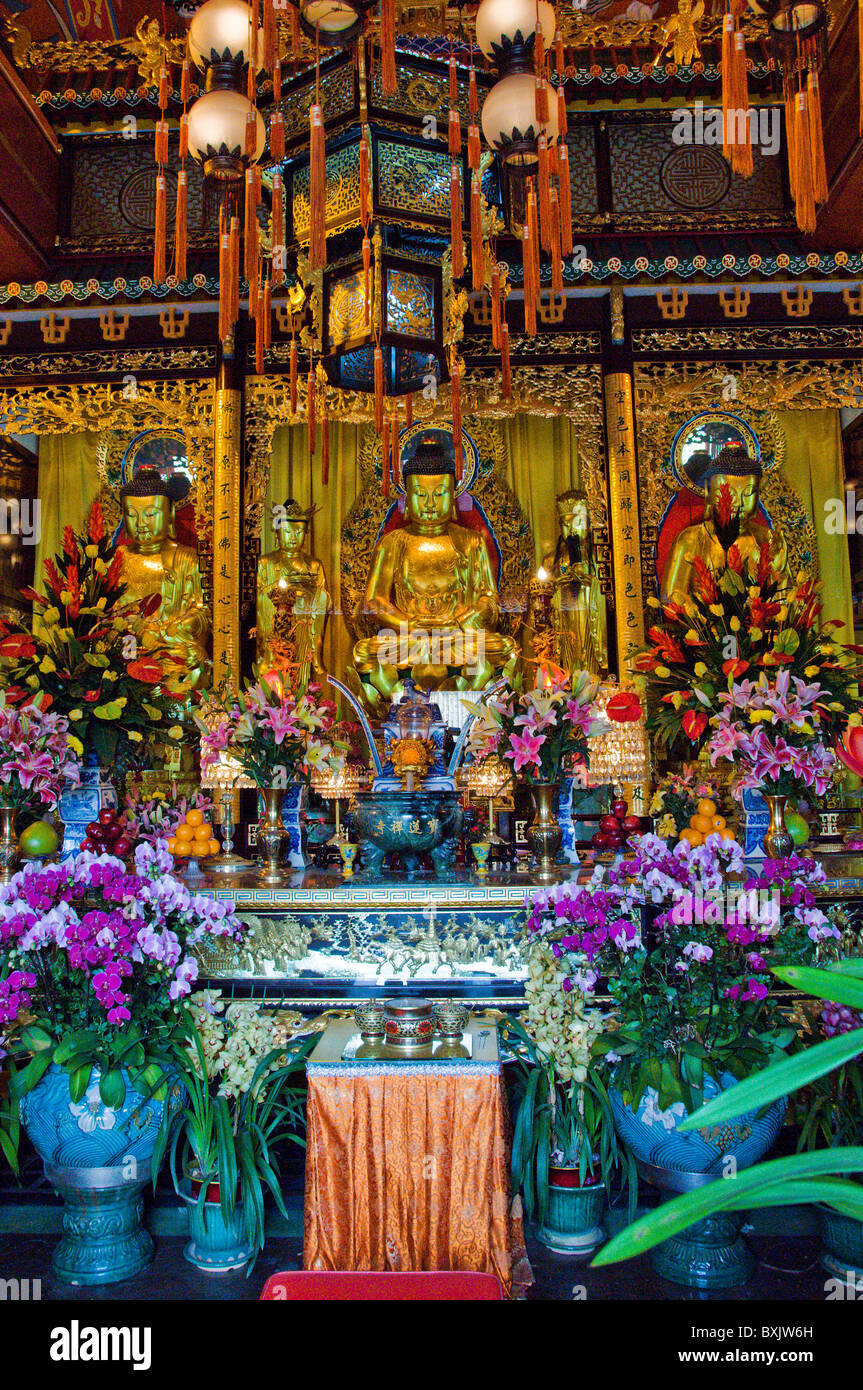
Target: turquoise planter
(216, 1246)
(98, 1159)
(842, 1238)
(573, 1219)
(711, 1254)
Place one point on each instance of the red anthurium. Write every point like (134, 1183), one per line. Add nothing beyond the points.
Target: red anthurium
(624, 708)
(91, 696)
(645, 661)
(850, 749)
(694, 724)
(735, 667)
(145, 669)
(18, 645)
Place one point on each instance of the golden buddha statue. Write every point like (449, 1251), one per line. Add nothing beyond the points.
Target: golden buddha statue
(292, 602)
(578, 604)
(153, 562)
(432, 591)
(732, 468)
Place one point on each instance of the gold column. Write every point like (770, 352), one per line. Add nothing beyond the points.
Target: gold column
(625, 526)
(226, 537)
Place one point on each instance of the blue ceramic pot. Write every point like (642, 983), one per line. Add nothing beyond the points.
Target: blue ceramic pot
(98, 1159)
(216, 1246)
(407, 825)
(573, 1219)
(78, 806)
(842, 1238)
(711, 1254)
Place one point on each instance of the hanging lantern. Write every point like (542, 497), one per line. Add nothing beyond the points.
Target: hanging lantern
(333, 23)
(217, 132)
(798, 29)
(509, 119)
(506, 31)
(221, 32)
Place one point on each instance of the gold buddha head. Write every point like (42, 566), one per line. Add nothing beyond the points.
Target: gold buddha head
(429, 478)
(148, 508)
(572, 513)
(734, 469)
(291, 524)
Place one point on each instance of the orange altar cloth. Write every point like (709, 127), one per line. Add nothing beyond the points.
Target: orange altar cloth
(407, 1165)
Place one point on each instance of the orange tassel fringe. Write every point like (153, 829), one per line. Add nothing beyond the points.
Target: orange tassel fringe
(180, 226)
(455, 214)
(161, 229)
(317, 190)
(389, 82)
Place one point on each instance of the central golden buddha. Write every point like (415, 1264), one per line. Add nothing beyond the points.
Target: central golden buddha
(432, 591)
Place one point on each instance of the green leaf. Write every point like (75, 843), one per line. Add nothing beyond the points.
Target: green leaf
(112, 1089)
(24, 1081)
(79, 1080)
(854, 967)
(744, 1189)
(35, 1039)
(824, 984)
(777, 1080)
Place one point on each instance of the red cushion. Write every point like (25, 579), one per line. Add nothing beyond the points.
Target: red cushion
(372, 1284)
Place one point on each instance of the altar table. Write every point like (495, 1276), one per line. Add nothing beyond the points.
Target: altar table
(407, 1163)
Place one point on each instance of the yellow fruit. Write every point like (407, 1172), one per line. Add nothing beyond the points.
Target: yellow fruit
(703, 824)
(203, 834)
(172, 845)
(214, 847)
(194, 818)
(727, 834)
(706, 807)
(197, 849)
(185, 833)
(719, 822)
(694, 837)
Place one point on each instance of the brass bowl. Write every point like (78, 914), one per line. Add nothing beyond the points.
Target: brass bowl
(369, 1018)
(409, 1024)
(451, 1017)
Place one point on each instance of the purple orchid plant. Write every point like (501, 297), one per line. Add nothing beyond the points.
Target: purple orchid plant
(683, 939)
(96, 961)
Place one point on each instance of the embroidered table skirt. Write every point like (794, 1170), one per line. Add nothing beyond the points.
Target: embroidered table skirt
(407, 1165)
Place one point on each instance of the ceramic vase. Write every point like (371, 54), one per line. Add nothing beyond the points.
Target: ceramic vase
(710, 1254)
(78, 806)
(842, 1242)
(777, 840)
(217, 1244)
(573, 1217)
(97, 1157)
(544, 834)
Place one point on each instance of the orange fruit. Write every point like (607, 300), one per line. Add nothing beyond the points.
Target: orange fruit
(194, 818)
(703, 824)
(184, 833)
(719, 823)
(197, 849)
(172, 845)
(694, 836)
(706, 807)
(203, 834)
(214, 847)
(727, 834)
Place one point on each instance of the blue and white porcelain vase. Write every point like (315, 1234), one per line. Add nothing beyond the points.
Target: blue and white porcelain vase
(711, 1254)
(97, 1157)
(78, 806)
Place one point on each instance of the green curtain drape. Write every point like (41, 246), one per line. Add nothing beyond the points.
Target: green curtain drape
(813, 466)
(541, 461)
(68, 486)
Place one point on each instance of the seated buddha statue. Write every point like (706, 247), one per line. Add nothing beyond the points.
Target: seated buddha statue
(153, 562)
(732, 468)
(578, 602)
(432, 592)
(292, 602)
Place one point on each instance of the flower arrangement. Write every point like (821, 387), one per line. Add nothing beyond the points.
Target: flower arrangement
(675, 800)
(79, 657)
(156, 817)
(37, 757)
(99, 959)
(276, 738)
(544, 733)
(753, 672)
(242, 1072)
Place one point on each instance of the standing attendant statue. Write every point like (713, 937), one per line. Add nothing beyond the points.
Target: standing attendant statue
(580, 617)
(292, 602)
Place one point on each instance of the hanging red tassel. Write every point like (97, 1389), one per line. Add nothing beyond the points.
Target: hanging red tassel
(389, 82)
(564, 193)
(292, 379)
(269, 37)
(260, 329)
(453, 79)
(186, 82)
(476, 249)
(529, 287)
(277, 77)
(559, 56)
(224, 283)
(562, 125)
(267, 313)
(278, 228)
(160, 148)
(251, 231)
(554, 240)
(505, 375)
(317, 190)
(385, 453)
(325, 437)
(455, 214)
(474, 147)
(180, 226)
(454, 133)
(472, 95)
(541, 103)
(367, 281)
(805, 207)
(495, 306)
(234, 270)
(277, 137)
(455, 386)
(790, 132)
(396, 460)
(253, 297)
(250, 138)
(163, 88)
(364, 181)
(296, 41)
(379, 389)
(544, 190)
(161, 229)
(311, 415)
(819, 166)
(184, 136)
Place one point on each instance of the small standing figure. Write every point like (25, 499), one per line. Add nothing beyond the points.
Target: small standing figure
(578, 603)
(681, 34)
(292, 602)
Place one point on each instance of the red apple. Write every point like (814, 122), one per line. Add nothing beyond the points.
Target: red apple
(122, 847)
(619, 808)
(87, 843)
(632, 824)
(609, 823)
(107, 816)
(94, 828)
(600, 840)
